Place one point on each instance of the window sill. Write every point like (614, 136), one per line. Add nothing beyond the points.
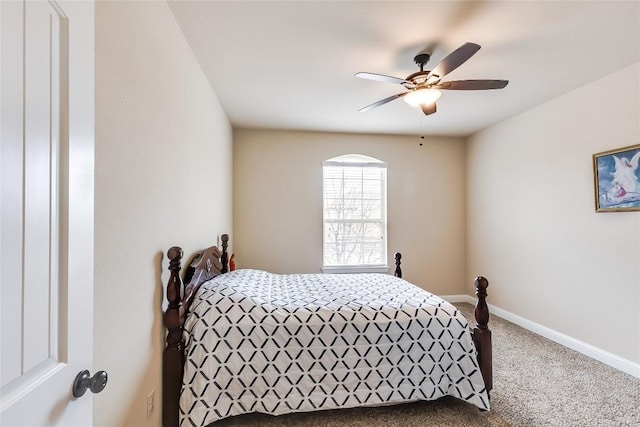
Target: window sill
(342, 269)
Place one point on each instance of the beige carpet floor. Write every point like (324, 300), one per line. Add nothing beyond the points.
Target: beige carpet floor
(536, 383)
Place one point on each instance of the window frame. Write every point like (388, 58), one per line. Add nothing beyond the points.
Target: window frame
(358, 161)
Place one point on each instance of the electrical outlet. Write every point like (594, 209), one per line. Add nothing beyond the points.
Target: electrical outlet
(150, 403)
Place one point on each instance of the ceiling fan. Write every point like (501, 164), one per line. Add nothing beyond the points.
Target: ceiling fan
(423, 87)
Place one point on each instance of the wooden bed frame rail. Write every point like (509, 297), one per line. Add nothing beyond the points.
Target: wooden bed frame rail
(212, 262)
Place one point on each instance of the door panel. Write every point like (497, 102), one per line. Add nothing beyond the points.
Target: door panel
(11, 169)
(40, 148)
(46, 210)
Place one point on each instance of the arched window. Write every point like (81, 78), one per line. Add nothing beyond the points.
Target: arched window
(354, 214)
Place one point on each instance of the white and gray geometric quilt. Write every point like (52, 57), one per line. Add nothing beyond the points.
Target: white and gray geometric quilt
(263, 342)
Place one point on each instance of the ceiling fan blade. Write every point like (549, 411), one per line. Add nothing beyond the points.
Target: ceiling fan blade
(454, 60)
(428, 108)
(382, 102)
(381, 78)
(472, 84)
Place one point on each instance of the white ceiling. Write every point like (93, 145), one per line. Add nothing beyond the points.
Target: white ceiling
(291, 64)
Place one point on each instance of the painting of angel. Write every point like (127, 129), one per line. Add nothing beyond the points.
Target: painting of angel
(617, 179)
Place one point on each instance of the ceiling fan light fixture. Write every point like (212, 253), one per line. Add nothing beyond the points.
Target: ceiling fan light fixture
(424, 96)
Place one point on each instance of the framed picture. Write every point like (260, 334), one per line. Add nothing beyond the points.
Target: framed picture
(617, 179)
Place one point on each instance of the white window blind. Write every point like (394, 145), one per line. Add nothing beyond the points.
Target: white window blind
(355, 190)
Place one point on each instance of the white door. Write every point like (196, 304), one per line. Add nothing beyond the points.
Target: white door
(46, 210)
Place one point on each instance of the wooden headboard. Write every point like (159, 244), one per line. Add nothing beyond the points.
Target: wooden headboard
(205, 266)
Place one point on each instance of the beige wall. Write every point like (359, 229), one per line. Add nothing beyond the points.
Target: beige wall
(532, 228)
(163, 178)
(278, 201)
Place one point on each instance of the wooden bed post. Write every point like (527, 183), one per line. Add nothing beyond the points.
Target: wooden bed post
(482, 333)
(173, 357)
(224, 258)
(398, 271)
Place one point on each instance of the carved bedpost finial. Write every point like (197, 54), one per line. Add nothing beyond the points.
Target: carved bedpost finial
(175, 254)
(224, 258)
(173, 287)
(398, 271)
(482, 310)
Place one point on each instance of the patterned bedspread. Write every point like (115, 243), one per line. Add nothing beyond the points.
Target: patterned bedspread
(262, 342)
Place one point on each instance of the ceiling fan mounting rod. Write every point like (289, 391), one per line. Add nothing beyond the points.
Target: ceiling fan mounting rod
(421, 59)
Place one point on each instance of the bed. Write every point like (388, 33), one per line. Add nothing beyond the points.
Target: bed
(252, 341)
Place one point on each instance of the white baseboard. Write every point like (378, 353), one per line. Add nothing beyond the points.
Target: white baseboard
(459, 298)
(596, 353)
